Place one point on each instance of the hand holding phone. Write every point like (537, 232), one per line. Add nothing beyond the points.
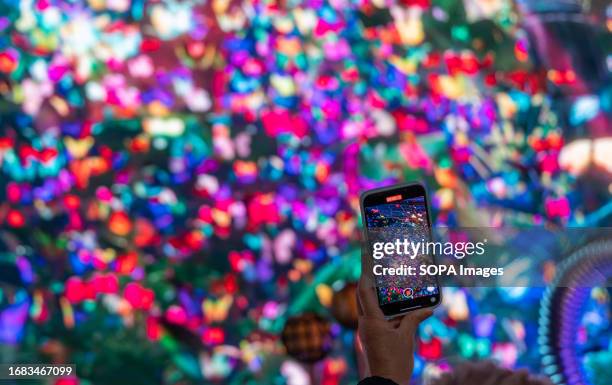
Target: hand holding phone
(395, 219)
(388, 345)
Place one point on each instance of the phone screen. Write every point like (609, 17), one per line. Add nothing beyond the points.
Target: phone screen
(401, 214)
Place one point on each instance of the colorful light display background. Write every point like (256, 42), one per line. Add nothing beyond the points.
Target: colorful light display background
(178, 178)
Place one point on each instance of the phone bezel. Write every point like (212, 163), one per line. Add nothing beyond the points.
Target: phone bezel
(378, 196)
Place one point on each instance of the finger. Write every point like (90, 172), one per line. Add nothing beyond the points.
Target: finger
(422, 314)
(368, 300)
(412, 320)
(366, 267)
(395, 322)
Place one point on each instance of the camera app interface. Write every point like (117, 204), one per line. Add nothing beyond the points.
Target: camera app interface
(402, 220)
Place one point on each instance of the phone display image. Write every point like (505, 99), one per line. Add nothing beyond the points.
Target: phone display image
(394, 219)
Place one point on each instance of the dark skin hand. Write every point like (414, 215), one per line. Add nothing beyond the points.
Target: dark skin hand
(388, 345)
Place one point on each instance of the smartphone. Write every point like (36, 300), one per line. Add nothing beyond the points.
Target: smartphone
(400, 212)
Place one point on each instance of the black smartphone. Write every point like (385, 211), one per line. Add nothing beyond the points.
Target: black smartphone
(399, 215)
